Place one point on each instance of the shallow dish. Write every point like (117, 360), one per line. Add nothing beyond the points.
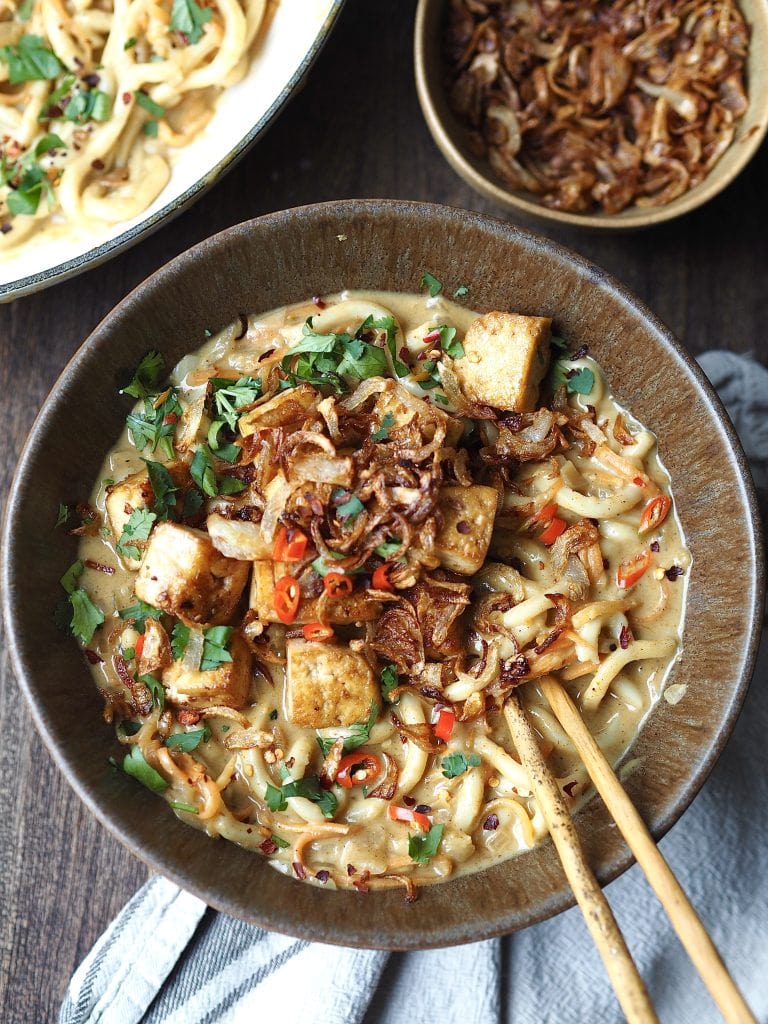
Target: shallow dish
(291, 42)
(377, 244)
(451, 135)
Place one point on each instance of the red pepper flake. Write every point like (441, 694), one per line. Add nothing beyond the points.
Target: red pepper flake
(323, 876)
(673, 572)
(361, 883)
(351, 869)
(624, 637)
(299, 870)
(432, 336)
(92, 656)
(172, 417)
(639, 482)
(463, 526)
(409, 801)
(655, 546)
(126, 98)
(317, 301)
(569, 788)
(108, 570)
(187, 717)
(404, 354)
(491, 823)
(269, 846)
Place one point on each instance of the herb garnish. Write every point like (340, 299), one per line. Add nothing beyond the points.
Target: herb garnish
(30, 61)
(326, 359)
(389, 682)
(387, 422)
(359, 733)
(215, 651)
(461, 291)
(138, 527)
(146, 377)
(138, 613)
(86, 617)
(163, 488)
(25, 197)
(388, 549)
(63, 515)
(422, 848)
(188, 18)
(156, 688)
(230, 397)
(155, 427)
(431, 283)
(186, 742)
(308, 787)
(204, 475)
(456, 764)
(179, 640)
(136, 765)
(350, 509)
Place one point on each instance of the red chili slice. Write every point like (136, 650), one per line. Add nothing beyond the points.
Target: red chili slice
(357, 770)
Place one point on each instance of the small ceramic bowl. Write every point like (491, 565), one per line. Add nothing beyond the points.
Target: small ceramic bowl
(451, 135)
(277, 260)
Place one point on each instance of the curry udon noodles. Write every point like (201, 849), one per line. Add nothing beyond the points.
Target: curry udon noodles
(326, 550)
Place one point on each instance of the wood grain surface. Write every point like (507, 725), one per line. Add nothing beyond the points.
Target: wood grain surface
(354, 131)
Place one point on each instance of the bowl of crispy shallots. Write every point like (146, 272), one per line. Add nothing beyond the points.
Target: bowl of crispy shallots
(600, 115)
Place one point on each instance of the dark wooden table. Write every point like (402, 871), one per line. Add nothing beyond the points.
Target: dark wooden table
(354, 131)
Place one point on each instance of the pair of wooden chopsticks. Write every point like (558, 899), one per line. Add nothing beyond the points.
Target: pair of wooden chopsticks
(628, 985)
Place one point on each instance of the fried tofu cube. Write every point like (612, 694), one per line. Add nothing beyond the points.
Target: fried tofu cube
(505, 358)
(183, 574)
(468, 515)
(327, 685)
(135, 491)
(285, 408)
(237, 538)
(354, 607)
(228, 685)
(155, 650)
(404, 408)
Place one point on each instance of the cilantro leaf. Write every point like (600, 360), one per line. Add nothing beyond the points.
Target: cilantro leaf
(322, 568)
(279, 841)
(136, 765)
(30, 60)
(193, 502)
(229, 397)
(228, 452)
(308, 787)
(362, 360)
(49, 142)
(274, 798)
(63, 515)
(431, 283)
(86, 105)
(203, 472)
(179, 640)
(350, 510)
(138, 613)
(179, 806)
(156, 688)
(25, 198)
(188, 18)
(461, 291)
(24, 12)
(163, 488)
(155, 427)
(188, 741)
(423, 847)
(388, 421)
(359, 733)
(146, 376)
(86, 616)
(68, 580)
(215, 651)
(449, 343)
(386, 323)
(388, 549)
(582, 382)
(137, 527)
(456, 764)
(146, 102)
(389, 682)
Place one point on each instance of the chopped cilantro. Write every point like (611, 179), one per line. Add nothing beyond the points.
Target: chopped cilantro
(388, 549)
(156, 688)
(229, 397)
(63, 515)
(423, 847)
(326, 359)
(129, 653)
(146, 377)
(86, 616)
(179, 806)
(24, 13)
(558, 343)
(461, 291)
(155, 427)
(582, 382)
(130, 43)
(215, 651)
(136, 765)
(25, 198)
(350, 510)
(279, 841)
(85, 105)
(188, 741)
(188, 18)
(193, 502)
(147, 103)
(68, 580)
(387, 422)
(228, 452)
(456, 764)
(385, 323)
(449, 343)
(30, 60)
(179, 640)
(47, 143)
(431, 283)
(308, 787)
(163, 488)
(150, 128)
(138, 613)
(274, 798)
(138, 527)
(389, 682)
(359, 734)
(204, 475)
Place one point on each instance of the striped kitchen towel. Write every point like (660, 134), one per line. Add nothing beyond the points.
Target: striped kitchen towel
(168, 959)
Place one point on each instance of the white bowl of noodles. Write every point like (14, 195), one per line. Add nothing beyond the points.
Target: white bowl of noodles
(154, 128)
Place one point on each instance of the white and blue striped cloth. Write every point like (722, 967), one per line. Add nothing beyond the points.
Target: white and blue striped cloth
(168, 959)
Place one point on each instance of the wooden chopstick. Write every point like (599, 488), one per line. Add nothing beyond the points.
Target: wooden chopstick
(598, 916)
(686, 922)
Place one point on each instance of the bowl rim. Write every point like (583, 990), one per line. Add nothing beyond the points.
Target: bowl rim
(292, 218)
(487, 185)
(104, 251)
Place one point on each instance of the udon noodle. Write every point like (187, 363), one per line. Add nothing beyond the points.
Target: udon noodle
(434, 509)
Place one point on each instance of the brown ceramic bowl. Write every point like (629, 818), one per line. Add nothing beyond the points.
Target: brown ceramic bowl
(279, 259)
(452, 138)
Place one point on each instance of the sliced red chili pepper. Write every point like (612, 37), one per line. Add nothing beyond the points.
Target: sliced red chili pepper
(337, 584)
(631, 569)
(290, 545)
(380, 579)
(654, 513)
(550, 534)
(287, 598)
(172, 417)
(546, 513)
(432, 336)
(138, 647)
(357, 770)
(318, 632)
(639, 481)
(409, 816)
(443, 727)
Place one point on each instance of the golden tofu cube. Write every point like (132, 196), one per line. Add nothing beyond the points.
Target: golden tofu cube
(183, 574)
(404, 408)
(237, 538)
(354, 607)
(505, 358)
(287, 407)
(468, 515)
(156, 649)
(327, 685)
(228, 685)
